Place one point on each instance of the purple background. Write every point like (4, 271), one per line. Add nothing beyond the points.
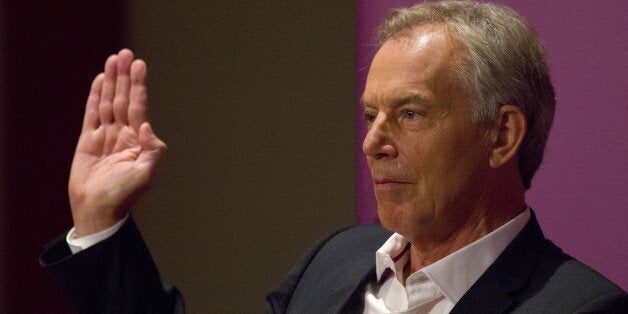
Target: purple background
(580, 193)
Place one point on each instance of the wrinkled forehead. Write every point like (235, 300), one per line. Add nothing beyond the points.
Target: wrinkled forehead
(422, 56)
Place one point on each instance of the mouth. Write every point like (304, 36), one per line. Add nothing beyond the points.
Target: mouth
(387, 181)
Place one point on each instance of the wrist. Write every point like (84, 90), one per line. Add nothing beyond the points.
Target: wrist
(86, 223)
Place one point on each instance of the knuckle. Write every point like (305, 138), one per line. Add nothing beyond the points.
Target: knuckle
(120, 101)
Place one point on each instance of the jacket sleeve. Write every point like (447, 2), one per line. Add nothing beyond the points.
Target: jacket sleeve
(116, 275)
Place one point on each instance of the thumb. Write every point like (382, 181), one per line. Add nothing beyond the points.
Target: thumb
(152, 147)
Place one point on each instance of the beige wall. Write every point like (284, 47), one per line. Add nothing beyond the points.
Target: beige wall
(255, 101)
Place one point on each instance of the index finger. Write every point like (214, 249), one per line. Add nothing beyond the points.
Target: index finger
(91, 118)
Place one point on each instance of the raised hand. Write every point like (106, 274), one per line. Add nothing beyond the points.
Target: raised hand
(117, 153)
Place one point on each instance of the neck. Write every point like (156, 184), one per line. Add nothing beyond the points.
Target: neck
(481, 219)
(424, 253)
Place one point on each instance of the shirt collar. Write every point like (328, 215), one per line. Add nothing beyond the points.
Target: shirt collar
(392, 256)
(458, 271)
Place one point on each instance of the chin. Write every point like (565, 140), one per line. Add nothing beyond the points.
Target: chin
(407, 221)
(393, 218)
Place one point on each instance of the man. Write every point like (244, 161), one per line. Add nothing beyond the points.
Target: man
(459, 105)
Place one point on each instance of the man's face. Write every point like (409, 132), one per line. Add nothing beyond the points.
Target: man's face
(426, 157)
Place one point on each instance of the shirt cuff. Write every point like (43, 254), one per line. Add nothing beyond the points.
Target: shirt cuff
(78, 244)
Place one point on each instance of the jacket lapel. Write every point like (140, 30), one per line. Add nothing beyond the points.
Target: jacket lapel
(336, 277)
(495, 290)
(355, 300)
(338, 290)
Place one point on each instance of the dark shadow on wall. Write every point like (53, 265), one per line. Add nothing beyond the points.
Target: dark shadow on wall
(51, 52)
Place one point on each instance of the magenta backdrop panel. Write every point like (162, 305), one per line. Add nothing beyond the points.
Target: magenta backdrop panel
(580, 193)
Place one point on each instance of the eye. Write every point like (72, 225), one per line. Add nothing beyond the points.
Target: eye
(369, 117)
(411, 114)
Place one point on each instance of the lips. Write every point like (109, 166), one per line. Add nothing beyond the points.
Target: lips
(389, 181)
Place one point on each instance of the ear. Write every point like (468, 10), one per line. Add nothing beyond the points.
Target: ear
(508, 131)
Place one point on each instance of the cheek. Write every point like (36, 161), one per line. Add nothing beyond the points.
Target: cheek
(464, 160)
(424, 157)
(442, 159)
(369, 163)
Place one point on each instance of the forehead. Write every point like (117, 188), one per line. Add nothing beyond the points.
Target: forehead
(418, 61)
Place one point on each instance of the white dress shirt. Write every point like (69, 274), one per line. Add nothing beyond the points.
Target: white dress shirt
(435, 288)
(78, 244)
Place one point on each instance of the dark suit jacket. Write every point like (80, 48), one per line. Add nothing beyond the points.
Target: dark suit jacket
(531, 276)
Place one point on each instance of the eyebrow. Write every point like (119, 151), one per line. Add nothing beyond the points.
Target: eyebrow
(400, 101)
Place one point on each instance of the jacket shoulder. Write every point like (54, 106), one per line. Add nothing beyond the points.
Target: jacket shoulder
(564, 284)
(329, 274)
(358, 239)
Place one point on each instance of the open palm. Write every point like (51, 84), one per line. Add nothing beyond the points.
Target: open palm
(117, 152)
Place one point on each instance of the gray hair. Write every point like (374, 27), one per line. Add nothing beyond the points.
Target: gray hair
(503, 64)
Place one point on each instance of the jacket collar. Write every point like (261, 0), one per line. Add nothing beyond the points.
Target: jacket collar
(494, 291)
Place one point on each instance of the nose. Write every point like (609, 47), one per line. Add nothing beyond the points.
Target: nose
(378, 142)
